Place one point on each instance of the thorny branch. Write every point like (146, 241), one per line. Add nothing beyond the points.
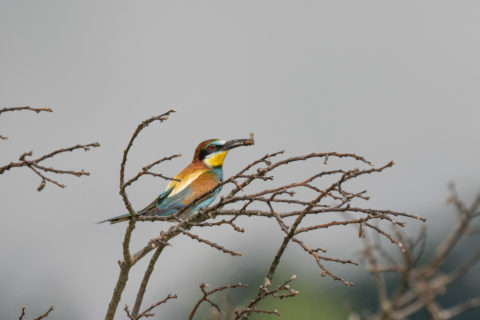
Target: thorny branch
(419, 286)
(36, 165)
(325, 192)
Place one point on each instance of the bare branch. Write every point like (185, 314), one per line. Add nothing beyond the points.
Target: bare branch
(42, 316)
(45, 314)
(41, 170)
(146, 170)
(324, 197)
(282, 291)
(37, 110)
(35, 165)
(148, 312)
(211, 244)
(22, 314)
(146, 278)
(206, 294)
(419, 286)
(128, 261)
(137, 131)
(461, 308)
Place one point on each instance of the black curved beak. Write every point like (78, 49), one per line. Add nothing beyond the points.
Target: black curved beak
(237, 143)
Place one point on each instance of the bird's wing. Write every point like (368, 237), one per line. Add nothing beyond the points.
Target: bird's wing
(186, 177)
(204, 183)
(157, 200)
(174, 202)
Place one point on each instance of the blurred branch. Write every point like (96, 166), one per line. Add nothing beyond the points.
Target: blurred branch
(461, 308)
(22, 314)
(419, 286)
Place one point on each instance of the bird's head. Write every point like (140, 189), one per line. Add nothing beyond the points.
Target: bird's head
(212, 152)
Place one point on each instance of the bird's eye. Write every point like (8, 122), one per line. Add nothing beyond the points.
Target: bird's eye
(211, 147)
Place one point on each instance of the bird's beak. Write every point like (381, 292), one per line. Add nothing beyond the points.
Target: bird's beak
(237, 143)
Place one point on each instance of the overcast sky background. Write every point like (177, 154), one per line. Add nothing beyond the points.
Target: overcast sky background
(387, 80)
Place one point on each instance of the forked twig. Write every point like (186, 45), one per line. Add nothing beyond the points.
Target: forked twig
(35, 164)
(148, 312)
(206, 294)
(42, 316)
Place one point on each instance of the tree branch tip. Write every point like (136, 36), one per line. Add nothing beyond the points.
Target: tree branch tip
(46, 109)
(25, 154)
(41, 186)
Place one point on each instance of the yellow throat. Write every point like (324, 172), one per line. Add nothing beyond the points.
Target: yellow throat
(216, 160)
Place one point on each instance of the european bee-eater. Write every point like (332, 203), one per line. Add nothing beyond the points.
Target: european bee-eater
(199, 177)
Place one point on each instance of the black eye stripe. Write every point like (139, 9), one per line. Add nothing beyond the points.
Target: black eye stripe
(212, 148)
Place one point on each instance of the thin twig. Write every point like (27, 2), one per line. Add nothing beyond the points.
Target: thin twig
(43, 316)
(148, 312)
(37, 110)
(41, 170)
(206, 294)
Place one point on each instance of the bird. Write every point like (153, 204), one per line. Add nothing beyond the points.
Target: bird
(202, 175)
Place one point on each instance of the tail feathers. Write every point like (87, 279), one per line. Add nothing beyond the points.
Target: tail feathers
(151, 209)
(123, 217)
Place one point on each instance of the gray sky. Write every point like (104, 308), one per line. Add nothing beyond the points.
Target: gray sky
(388, 80)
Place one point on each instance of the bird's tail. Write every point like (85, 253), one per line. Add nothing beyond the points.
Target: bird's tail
(144, 211)
(123, 217)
